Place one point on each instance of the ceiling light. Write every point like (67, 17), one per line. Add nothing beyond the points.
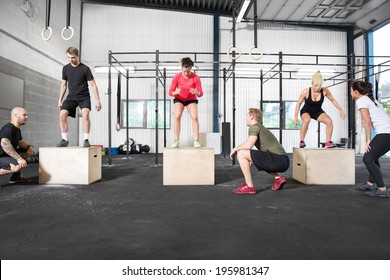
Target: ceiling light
(242, 12)
(105, 69)
(174, 68)
(308, 72)
(247, 71)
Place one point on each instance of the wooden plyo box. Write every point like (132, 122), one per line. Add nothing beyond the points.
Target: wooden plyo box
(321, 166)
(188, 166)
(70, 165)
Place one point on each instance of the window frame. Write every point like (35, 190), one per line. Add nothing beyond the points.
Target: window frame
(145, 113)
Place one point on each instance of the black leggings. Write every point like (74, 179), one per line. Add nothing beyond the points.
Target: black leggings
(380, 145)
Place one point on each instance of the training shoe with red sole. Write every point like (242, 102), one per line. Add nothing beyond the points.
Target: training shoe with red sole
(279, 184)
(244, 189)
(329, 144)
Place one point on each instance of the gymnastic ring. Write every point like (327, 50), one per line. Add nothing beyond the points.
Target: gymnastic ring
(231, 48)
(71, 35)
(251, 53)
(118, 126)
(50, 33)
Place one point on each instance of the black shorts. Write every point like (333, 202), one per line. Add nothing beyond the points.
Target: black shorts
(70, 104)
(269, 162)
(185, 103)
(314, 114)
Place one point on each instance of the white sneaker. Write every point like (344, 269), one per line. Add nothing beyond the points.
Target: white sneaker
(196, 144)
(175, 144)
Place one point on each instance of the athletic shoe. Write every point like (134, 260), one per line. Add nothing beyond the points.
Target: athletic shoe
(63, 143)
(196, 144)
(175, 144)
(244, 189)
(279, 184)
(377, 192)
(20, 180)
(86, 144)
(329, 144)
(365, 187)
(302, 144)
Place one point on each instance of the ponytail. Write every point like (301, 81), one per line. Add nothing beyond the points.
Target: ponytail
(364, 88)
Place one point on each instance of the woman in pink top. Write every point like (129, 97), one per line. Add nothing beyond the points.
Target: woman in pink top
(186, 87)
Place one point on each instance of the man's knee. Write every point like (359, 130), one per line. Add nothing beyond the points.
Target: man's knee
(85, 114)
(243, 154)
(63, 114)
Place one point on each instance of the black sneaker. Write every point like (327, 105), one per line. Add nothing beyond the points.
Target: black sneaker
(86, 144)
(377, 192)
(63, 143)
(365, 187)
(20, 180)
(302, 144)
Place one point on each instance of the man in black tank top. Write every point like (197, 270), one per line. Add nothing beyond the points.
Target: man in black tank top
(314, 97)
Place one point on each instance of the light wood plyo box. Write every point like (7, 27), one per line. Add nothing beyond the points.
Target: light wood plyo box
(322, 166)
(70, 165)
(188, 166)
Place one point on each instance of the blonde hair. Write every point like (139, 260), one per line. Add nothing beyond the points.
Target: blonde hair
(256, 113)
(317, 79)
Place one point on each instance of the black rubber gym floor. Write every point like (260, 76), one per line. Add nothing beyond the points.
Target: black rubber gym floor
(129, 214)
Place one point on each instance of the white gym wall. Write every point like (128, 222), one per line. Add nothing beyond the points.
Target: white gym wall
(126, 29)
(26, 56)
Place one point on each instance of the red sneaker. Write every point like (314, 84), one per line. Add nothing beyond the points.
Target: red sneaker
(279, 184)
(329, 144)
(244, 189)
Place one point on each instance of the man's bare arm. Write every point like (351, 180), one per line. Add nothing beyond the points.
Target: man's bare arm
(9, 149)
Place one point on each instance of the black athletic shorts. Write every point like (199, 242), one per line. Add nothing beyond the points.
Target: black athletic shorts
(314, 114)
(70, 104)
(185, 103)
(269, 162)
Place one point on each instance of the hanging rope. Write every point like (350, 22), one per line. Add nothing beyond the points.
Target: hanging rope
(47, 23)
(68, 8)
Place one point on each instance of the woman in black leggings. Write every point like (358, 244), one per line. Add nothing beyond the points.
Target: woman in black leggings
(374, 116)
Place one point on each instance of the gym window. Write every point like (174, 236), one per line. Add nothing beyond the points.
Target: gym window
(142, 114)
(271, 115)
(289, 109)
(271, 111)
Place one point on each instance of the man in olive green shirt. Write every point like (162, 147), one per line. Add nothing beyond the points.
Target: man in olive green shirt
(270, 155)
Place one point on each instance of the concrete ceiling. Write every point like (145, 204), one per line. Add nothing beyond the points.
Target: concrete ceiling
(362, 15)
